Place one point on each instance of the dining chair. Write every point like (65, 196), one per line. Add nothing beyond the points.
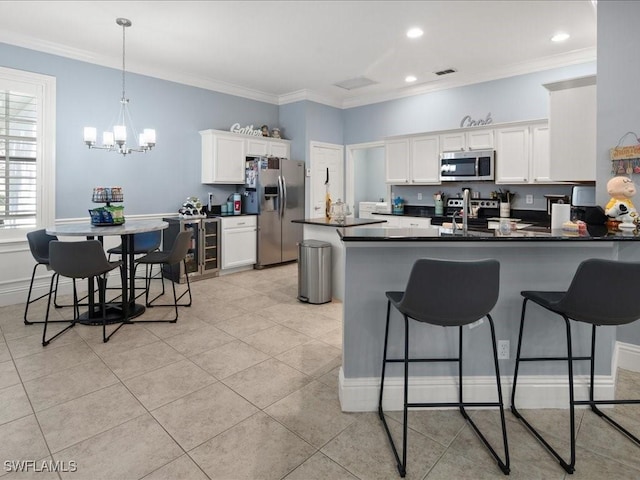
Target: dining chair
(429, 299)
(77, 260)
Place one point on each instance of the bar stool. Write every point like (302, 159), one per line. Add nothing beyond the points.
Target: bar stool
(39, 245)
(428, 298)
(602, 292)
(85, 259)
(169, 259)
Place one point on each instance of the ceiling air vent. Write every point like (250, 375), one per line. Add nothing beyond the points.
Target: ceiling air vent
(446, 71)
(355, 83)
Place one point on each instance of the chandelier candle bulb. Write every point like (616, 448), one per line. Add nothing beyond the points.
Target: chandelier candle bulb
(120, 134)
(90, 135)
(107, 139)
(150, 136)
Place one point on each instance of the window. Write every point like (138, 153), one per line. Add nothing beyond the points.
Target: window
(27, 166)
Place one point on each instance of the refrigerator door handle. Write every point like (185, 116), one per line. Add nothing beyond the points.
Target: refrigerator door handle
(284, 196)
(280, 196)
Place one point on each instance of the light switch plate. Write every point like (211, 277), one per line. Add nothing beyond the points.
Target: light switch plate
(308, 172)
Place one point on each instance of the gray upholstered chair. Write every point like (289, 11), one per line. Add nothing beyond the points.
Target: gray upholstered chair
(429, 299)
(602, 292)
(75, 260)
(169, 259)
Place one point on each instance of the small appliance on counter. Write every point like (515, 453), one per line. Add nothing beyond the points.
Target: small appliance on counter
(583, 205)
(109, 215)
(234, 204)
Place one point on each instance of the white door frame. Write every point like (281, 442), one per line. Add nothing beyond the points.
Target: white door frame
(312, 145)
(350, 174)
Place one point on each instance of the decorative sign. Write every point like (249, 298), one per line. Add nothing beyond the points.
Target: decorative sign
(625, 153)
(248, 130)
(467, 121)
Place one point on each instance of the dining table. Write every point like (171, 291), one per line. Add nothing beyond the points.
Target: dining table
(128, 308)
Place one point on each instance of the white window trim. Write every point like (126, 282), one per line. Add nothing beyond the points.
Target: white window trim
(45, 87)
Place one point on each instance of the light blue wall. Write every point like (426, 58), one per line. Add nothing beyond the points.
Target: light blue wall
(618, 91)
(155, 182)
(511, 99)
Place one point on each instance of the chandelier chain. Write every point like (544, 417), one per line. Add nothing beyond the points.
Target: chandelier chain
(123, 59)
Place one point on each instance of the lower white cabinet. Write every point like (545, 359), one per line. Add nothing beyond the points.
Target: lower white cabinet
(239, 241)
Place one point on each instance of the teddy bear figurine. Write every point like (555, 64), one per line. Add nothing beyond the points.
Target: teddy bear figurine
(620, 206)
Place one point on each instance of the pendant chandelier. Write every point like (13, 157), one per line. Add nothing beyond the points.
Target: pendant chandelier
(116, 140)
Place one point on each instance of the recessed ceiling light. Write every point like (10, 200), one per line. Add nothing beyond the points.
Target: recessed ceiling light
(414, 32)
(560, 37)
(410, 78)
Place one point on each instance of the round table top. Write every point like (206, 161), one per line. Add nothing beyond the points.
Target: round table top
(85, 229)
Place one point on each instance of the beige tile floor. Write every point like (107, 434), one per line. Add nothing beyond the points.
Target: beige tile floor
(244, 386)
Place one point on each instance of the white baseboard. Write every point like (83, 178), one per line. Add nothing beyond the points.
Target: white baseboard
(551, 391)
(626, 356)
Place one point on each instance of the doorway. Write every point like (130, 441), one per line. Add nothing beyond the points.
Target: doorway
(365, 174)
(327, 162)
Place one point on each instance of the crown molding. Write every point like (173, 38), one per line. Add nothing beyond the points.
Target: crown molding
(571, 58)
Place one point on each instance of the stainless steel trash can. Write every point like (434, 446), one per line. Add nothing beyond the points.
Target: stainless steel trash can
(314, 271)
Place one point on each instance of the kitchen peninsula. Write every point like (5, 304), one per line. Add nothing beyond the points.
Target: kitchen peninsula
(326, 230)
(376, 260)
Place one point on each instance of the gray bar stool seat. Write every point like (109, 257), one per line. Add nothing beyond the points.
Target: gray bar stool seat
(601, 293)
(429, 298)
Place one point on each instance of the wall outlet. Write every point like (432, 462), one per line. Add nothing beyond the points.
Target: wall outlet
(503, 349)
(419, 196)
(528, 199)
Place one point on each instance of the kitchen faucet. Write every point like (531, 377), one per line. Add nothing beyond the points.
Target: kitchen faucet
(465, 213)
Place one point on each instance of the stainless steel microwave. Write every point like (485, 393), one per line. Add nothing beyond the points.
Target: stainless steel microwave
(469, 166)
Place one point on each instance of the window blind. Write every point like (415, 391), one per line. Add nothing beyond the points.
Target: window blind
(18, 159)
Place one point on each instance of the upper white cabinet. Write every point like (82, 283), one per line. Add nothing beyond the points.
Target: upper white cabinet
(470, 140)
(279, 148)
(257, 147)
(572, 129)
(522, 154)
(512, 155)
(224, 154)
(396, 161)
(413, 160)
(540, 153)
(223, 157)
(263, 147)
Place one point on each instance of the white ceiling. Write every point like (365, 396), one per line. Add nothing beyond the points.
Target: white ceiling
(283, 51)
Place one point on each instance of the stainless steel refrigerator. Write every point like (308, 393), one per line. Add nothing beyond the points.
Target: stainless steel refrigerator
(274, 189)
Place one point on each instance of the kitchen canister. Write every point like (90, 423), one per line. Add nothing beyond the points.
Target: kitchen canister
(560, 213)
(505, 209)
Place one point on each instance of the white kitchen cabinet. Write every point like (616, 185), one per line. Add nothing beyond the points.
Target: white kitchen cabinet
(512, 154)
(396, 161)
(415, 222)
(223, 157)
(413, 160)
(258, 147)
(263, 147)
(239, 241)
(540, 153)
(572, 129)
(469, 140)
(424, 161)
(280, 149)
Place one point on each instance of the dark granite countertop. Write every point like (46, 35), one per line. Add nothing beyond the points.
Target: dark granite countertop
(349, 222)
(436, 234)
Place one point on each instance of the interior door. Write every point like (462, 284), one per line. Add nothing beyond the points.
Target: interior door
(325, 156)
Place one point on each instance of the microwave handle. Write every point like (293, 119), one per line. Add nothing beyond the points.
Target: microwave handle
(477, 166)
